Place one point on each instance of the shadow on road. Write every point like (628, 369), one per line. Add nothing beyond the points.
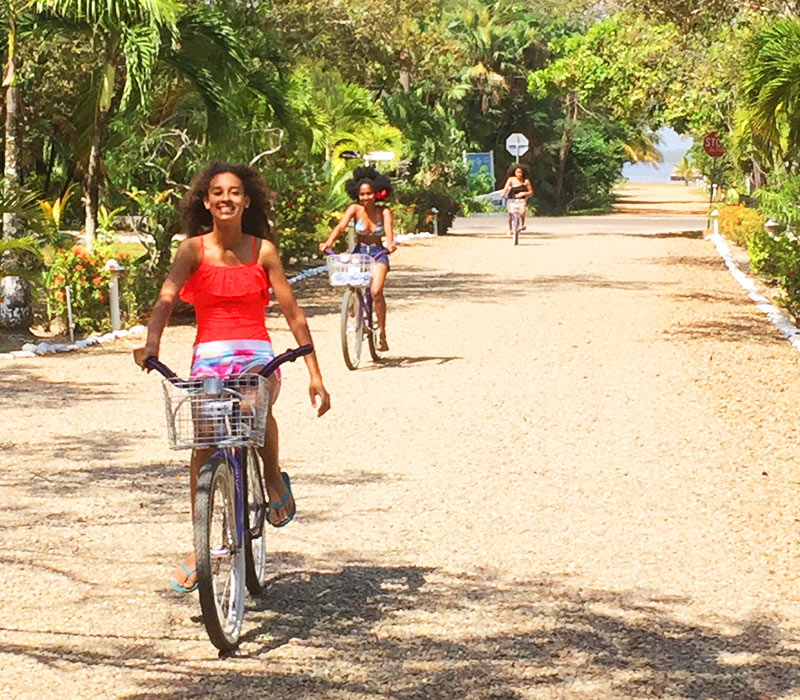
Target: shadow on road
(415, 633)
(734, 329)
(19, 384)
(409, 362)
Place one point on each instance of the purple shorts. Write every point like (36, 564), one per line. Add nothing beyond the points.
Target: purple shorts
(377, 252)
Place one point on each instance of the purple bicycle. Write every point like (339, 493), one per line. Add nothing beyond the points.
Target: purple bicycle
(357, 317)
(229, 416)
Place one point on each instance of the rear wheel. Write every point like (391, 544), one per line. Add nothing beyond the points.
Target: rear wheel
(255, 550)
(220, 561)
(351, 327)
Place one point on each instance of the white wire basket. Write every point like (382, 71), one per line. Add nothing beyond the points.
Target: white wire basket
(516, 206)
(350, 270)
(214, 412)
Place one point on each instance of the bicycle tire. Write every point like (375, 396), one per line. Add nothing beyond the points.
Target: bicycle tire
(255, 502)
(373, 336)
(223, 622)
(351, 328)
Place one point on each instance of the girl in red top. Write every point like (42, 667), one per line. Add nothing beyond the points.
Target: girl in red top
(225, 267)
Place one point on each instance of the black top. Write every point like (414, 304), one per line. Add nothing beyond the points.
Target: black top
(514, 191)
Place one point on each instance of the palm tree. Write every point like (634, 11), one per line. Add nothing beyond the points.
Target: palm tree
(685, 170)
(496, 48)
(128, 39)
(772, 85)
(16, 310)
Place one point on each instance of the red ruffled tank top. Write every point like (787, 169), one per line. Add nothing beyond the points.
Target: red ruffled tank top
(228, 300)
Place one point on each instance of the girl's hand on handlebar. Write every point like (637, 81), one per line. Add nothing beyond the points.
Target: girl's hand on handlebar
(324, 246)
(316, 389)
(140, 355)
(391, 248)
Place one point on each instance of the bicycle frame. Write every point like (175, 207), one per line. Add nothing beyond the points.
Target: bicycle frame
(234, 455)
(365, 306)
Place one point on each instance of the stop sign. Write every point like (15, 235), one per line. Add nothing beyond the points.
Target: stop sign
(517, 144)
(712, 145)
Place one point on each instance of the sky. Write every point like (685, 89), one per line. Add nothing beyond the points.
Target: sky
(672, 147)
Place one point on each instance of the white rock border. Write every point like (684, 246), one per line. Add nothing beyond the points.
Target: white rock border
(776, 317)
(41, 348)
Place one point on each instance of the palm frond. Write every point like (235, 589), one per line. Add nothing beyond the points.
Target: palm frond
(116, 13)
(140, 47)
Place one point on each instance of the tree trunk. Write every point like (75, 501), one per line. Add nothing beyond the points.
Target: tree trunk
(566, 142)
(16, 307)
(91, 187)
(11, 224)
(759, 176)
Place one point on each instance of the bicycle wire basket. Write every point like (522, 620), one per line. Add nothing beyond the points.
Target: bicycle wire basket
(517, 206)
(350, 270)
(213, 412)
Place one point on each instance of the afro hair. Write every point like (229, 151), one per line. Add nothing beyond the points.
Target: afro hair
(380, 184)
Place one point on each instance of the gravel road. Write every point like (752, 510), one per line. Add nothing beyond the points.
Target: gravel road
(573, 478)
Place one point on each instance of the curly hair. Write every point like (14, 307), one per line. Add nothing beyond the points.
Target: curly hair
(525, 173)
(256, 219)
(379, 183)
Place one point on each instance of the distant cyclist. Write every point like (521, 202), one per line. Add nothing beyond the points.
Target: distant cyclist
(372, 221)
(518, 189)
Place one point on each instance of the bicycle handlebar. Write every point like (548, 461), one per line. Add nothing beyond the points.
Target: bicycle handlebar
(266, 371)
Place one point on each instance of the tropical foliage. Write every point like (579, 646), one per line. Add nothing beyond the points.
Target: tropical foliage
(122, 101)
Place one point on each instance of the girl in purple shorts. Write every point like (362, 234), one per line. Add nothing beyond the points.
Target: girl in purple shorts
(372, 222)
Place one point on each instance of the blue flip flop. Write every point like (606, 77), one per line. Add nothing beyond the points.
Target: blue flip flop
(277, 506)
(182, 589)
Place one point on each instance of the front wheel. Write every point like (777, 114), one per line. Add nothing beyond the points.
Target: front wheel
(517, 227)
(220, 559)
(351, 327)
(255, 503)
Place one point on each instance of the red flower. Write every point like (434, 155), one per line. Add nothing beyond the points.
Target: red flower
(58, 279)
(381, 194)
(78, 267)
(97, 280)
(61, 294)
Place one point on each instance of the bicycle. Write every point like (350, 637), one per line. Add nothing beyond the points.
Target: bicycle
(516, 210)
(357, 316)
(230, 500)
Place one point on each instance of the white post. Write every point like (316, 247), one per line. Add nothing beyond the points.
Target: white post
(70, 321)
(435, 213)
(113, 300)
(113, 293)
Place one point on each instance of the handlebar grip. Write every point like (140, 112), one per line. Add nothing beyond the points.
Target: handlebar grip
(160, 367)
(288, 356)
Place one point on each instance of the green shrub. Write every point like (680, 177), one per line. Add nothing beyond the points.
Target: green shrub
(139, 286)
(780, 199)
(778, 258)
(740, 223)
(309, 202)
(405, 218)
(423, 201)
(85, 274)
